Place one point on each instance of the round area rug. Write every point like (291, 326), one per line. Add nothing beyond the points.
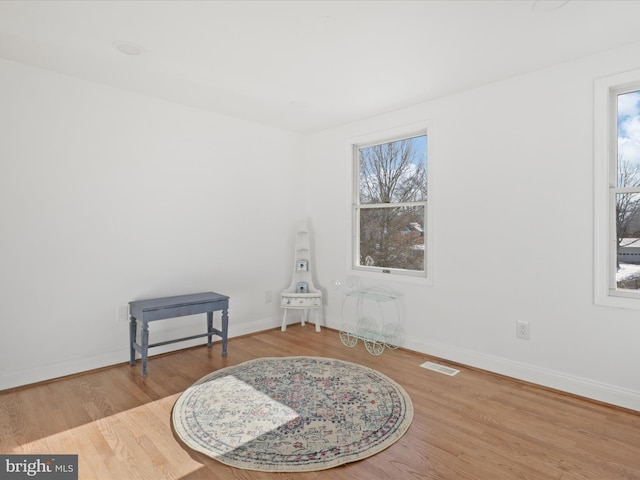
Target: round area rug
(292, 414)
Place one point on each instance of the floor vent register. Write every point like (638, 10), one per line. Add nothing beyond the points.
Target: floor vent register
(440, 368)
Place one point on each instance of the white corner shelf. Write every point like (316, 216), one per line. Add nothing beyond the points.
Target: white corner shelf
(302, 294)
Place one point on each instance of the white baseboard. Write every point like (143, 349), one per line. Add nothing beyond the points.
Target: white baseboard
(583, 387)
(84, 364)
(61, 369)
(530, 373)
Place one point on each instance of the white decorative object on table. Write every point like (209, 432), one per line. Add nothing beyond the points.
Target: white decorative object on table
(301, 294)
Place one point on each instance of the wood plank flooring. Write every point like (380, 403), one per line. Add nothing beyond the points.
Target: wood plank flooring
(473, 426)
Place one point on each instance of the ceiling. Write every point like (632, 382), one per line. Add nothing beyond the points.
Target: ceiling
(308, 65)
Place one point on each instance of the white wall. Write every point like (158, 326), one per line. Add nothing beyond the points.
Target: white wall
(108, 196)
(512, 171)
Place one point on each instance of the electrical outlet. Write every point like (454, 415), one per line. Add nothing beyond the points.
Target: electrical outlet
(267, 296)
(523, 330)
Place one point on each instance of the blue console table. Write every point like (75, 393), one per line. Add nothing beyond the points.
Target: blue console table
(153, 309)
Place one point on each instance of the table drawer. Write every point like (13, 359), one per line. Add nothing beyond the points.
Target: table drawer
(300, 302)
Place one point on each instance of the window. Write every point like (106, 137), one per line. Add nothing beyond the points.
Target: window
(617, 187)
(390, 206)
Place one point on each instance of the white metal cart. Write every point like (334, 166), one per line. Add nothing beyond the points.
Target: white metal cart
(377, 317)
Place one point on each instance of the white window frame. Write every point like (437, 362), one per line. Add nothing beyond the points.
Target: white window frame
(380, 273)
(606, 90)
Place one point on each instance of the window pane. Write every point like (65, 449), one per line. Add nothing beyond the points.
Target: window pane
(628, 204)
(394, 172)
(628, 241)
(392, 237)
(629, 139)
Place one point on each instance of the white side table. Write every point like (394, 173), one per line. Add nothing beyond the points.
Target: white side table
(303, 302)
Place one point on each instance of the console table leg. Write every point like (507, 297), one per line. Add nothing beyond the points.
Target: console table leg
(145, 347)
(225, 330)
(132, 339)
(284, 321)
(209, 328)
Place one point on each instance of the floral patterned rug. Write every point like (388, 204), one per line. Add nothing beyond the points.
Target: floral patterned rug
(292, 414)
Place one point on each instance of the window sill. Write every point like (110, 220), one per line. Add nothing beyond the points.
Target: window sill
(391, 277)
(619, 300)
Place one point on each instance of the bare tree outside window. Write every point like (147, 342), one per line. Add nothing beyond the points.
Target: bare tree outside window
(391, 204)
(628, 204)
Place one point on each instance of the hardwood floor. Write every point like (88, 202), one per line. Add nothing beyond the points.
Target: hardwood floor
(475, 425)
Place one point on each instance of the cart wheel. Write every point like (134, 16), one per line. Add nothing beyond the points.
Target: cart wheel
(374, 347)
(348, 339)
